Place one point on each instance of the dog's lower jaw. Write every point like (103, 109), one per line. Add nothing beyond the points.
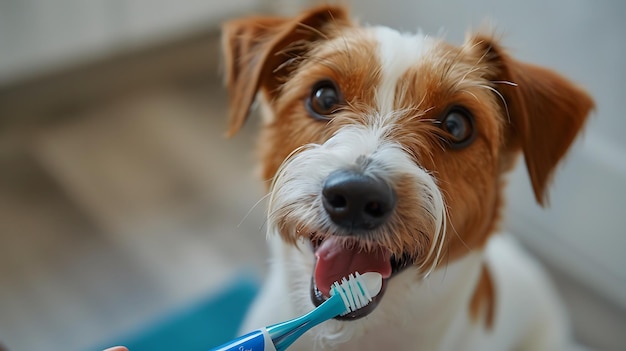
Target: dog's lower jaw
(411, 306)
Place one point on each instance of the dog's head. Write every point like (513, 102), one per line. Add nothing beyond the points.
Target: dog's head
(387, 150)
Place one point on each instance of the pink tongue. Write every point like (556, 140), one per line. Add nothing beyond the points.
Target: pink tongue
(335, 261)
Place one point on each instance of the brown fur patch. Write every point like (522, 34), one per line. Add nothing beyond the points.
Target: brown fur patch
(469, 177)
(257, 49)
(350, 63)
(483, 300)
(546, 111)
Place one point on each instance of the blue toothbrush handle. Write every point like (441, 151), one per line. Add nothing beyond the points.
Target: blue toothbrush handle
(258, 340)
(279, 337)
(285, 334)
(352, 293)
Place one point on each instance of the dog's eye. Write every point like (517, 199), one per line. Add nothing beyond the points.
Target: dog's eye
(459, 125)
(324, 100)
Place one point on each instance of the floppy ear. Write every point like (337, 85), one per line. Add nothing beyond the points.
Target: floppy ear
(545, 111)
(258, 50)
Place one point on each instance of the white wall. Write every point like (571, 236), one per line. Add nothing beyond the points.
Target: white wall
(37, 36)
(583, 230)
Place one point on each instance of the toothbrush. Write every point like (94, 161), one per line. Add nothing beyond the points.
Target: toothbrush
(349, 295)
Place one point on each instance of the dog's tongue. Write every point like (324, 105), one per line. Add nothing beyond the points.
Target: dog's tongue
(336, 261)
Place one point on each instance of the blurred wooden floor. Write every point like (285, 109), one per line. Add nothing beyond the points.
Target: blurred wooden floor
(120, 200)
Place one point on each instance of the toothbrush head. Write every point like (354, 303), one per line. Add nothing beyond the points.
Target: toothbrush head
(357, 290)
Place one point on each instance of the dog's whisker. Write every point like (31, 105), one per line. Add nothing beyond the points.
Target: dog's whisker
(264, 197)
(464, 80)
(495, 91)
(465, 91)
(460, 238)
(505, 82)
(312, 29)
(323, 61)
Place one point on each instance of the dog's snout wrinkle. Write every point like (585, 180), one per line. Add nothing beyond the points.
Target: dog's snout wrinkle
(356, 201)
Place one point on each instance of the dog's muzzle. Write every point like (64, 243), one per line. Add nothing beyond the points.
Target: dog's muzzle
(356, 203)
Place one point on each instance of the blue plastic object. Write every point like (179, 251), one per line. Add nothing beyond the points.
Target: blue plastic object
(198, 327)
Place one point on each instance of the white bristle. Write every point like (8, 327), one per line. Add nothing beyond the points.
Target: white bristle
(358, 290)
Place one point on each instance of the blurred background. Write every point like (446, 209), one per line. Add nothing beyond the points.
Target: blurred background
(122, 204)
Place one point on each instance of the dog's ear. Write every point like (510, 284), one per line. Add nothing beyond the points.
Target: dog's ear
(545, 111)
(258, 50)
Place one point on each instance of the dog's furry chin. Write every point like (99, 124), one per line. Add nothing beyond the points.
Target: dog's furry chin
(398, 145)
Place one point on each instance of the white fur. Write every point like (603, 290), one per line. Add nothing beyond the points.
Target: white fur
(397, 53)
(417, 312)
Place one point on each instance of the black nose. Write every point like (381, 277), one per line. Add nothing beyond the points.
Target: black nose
(356, 201)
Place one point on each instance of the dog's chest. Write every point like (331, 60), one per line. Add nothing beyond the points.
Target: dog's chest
(391, 337)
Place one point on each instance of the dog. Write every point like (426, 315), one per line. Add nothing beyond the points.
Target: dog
(387, 152)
